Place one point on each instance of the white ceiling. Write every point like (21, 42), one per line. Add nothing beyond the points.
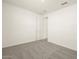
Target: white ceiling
(41, 6)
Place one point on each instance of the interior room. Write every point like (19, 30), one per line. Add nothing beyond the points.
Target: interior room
(39, 29)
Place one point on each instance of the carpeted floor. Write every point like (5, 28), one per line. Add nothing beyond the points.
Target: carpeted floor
(41, 49)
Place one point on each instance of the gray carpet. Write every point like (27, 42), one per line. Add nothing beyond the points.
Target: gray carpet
(40, 49)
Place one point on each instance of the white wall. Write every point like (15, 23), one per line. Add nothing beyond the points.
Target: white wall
(62, 27)
(19, 25)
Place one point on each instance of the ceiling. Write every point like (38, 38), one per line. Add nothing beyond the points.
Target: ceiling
(41, 6)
